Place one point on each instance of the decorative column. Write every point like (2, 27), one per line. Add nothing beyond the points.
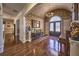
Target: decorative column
(22, 30)
(1, 31)
(46, 27)
(75, 12)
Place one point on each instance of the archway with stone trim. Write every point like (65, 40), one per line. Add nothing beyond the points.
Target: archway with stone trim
(64, 14)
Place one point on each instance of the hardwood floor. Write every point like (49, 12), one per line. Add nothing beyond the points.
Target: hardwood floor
(39, 47)
(44, 46)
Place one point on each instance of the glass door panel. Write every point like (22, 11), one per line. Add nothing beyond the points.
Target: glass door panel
(52, 27)
(57, 26)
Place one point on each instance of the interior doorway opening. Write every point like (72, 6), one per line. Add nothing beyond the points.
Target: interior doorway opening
(9, 39)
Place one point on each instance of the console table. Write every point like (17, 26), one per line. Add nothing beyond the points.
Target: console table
(36, 35)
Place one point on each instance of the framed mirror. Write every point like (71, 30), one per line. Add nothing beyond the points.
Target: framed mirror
(35, 24)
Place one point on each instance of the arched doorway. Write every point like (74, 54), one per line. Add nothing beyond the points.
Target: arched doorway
(55, 26)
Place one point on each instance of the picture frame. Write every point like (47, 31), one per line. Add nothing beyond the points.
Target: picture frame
(35, 24)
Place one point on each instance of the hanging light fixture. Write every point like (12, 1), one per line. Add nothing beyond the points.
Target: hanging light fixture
(49, 14)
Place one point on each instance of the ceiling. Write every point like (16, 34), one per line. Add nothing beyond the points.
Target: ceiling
(41, 8)
(12, 9)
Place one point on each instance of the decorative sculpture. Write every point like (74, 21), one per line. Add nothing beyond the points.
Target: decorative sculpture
(75, 31)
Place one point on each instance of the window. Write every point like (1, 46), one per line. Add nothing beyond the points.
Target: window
(55, 24)
(55, 18)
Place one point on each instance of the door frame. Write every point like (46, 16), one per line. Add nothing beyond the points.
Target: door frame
(54, 26)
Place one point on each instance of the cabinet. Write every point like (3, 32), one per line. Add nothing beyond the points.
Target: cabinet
(74, 47)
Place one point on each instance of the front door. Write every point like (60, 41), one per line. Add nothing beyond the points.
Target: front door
(55, 27)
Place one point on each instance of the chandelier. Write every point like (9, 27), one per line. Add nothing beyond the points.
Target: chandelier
(49, 14)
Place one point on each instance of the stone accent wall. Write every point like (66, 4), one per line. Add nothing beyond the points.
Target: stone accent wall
(66, 17)
(64, 14)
